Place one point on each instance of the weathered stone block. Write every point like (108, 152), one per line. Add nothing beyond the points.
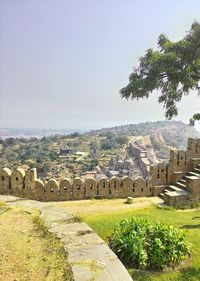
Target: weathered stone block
(17, 182)
(103, 187)
(90, 188)
(65, 190)
(51, 190)
(5, 181)
(78, 189)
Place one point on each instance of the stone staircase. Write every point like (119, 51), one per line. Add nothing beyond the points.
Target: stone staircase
(179, 193)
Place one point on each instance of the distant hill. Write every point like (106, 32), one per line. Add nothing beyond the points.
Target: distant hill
(164, 135)
(98, 146)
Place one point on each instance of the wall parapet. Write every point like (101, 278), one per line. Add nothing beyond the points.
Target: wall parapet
(180, 162)
(27, 185)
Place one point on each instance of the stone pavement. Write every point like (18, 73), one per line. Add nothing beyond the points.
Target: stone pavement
(90, 257)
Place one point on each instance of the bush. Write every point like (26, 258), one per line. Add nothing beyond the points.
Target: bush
(137, 243)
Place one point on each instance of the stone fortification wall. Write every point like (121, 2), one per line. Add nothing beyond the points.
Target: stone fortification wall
(194, 147)
(179, 164)
(27, 185)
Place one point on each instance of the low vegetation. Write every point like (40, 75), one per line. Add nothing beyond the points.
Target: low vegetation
(105, 222)
(140, 244)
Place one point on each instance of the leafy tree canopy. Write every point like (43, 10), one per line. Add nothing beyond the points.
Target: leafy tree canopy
(121, 140)
(173, 69)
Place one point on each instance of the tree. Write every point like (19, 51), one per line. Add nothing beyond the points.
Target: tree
(74, 135)
(94, 163)
(121, 140)
(106, 144)
(173, 69)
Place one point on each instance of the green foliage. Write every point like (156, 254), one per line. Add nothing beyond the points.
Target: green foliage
(196, 117)
(111, 141)
(10, 141)
(94, 163)
(173, 69)
(105, 221)
(142, 245)
(107, 144)
(93, 146)
(74, 135)
(121, 140)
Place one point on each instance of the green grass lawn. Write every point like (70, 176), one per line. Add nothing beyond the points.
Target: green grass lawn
(104, 224)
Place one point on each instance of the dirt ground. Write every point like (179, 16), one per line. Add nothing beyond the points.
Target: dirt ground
(24, 254)
(86, 207)
(17, 247)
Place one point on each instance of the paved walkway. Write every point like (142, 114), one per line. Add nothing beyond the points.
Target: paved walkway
(89, 256)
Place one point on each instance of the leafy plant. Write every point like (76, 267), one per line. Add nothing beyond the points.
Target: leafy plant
(140, 244)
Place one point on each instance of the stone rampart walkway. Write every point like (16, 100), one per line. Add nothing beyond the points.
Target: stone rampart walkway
(89, 256)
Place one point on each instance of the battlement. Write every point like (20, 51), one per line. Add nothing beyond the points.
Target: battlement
(26, 184)
(160, 173)
(179, 163)
(194, 147)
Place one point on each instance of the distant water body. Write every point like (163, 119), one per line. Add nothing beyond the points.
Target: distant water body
(35, 133)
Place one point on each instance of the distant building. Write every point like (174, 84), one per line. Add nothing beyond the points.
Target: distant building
(65, 149)
(92, 174)
(144, 157)
(120, 166)
(80, 153)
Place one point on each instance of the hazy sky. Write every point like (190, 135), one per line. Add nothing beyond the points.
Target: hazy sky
(63, 62)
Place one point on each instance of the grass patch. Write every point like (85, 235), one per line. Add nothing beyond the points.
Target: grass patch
(29, 252)
(104, 223)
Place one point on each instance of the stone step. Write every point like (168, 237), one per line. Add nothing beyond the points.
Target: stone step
(162, 195)
(183, 181)
(177, 193)
(168, 192)
(181, 184)
(174, 188)
(191, 177)
(197, 170)
(193, 174)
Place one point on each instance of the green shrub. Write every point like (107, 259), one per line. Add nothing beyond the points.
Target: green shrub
(140, 244)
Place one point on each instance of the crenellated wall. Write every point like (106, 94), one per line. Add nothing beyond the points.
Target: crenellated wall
(161, 174)
(179, 160)
(179, 164)
(26, 184)
(194, 147)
